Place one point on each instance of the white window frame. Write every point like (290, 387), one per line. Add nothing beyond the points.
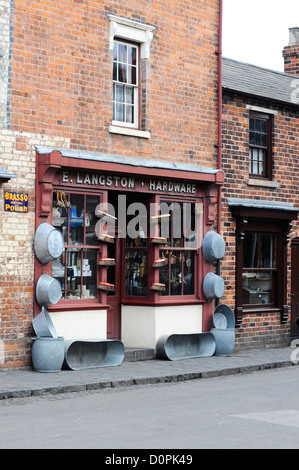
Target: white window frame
(142, 34)
(135, 124)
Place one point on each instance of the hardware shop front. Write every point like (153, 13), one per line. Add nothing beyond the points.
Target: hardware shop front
(132, 266)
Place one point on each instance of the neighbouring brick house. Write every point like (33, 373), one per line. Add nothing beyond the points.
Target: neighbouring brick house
(260, 198)
(112, 103)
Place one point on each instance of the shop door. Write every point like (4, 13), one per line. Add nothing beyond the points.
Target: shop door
(114, 298)
(295, 289)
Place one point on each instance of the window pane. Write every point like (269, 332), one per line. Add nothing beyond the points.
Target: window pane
(250, 250)
(264, 126)
(257, 125)
(258, 139)
(264, 140)
(122, 53)
(115, 71)
(129, 95)
(89, 274)
(136, 275)
(130, 114)
(255, 165)
(134, 76)
(119, 112)
(115, 51)
(176, 273)
(91, 220)
(122, 73)
(129, 74)
(266, 248)
(257, 287)
(119, 93)
(132, 55)
(188, 285)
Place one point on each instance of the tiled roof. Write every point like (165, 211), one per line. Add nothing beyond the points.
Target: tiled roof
(257, 81)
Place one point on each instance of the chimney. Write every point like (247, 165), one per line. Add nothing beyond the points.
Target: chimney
(291, 53)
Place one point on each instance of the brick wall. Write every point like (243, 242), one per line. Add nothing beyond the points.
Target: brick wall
(262, 329)
(62, 72)
(5, 55)
(17, 150)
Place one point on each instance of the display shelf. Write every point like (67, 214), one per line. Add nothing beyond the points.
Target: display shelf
(159, 240)
(158, 286)
(106, 238)
(106, 286)
(107, 262)
(158, 263)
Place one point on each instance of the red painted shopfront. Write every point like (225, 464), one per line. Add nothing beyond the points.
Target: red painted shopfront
(132, 266)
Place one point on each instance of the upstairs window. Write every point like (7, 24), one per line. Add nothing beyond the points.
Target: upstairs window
(125, 84)
(260, 145)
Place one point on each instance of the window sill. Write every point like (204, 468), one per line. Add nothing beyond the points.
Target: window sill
(129, 132)
(262, 183)
(69, 305)
(260, 310)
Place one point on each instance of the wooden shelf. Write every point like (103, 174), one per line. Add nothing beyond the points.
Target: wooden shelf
(106, 286)
(159, 240)
(157, 286)
(107, 262)
(158, 263)
(106, 238)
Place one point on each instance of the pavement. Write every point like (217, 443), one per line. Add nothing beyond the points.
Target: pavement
(132, 372)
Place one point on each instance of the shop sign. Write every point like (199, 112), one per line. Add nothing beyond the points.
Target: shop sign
(123, 182)
(15, 202)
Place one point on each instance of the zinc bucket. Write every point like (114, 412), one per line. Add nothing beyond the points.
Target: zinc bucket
(47, 354)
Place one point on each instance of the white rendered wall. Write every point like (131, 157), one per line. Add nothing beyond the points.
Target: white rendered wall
(143, 326)
(81, 324)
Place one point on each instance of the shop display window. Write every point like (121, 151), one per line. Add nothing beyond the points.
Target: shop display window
(76, 268)
(133, 263)
(178, 226)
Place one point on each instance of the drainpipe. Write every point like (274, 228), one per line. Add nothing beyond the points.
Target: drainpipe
(219, 144)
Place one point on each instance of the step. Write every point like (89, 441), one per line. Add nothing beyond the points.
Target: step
(139, 354)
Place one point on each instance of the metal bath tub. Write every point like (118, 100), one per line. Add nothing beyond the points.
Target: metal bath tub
(48, 290)
(185, 346)
(213, 246)
(48, 243)
(43, 325)
(223, 317)
(213, 286)
(92, 353)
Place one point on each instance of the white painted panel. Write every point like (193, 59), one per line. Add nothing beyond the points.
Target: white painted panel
(143, 326)
(82, 324)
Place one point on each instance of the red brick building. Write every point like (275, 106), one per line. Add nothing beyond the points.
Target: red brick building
(103, 105)
(260, 198)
